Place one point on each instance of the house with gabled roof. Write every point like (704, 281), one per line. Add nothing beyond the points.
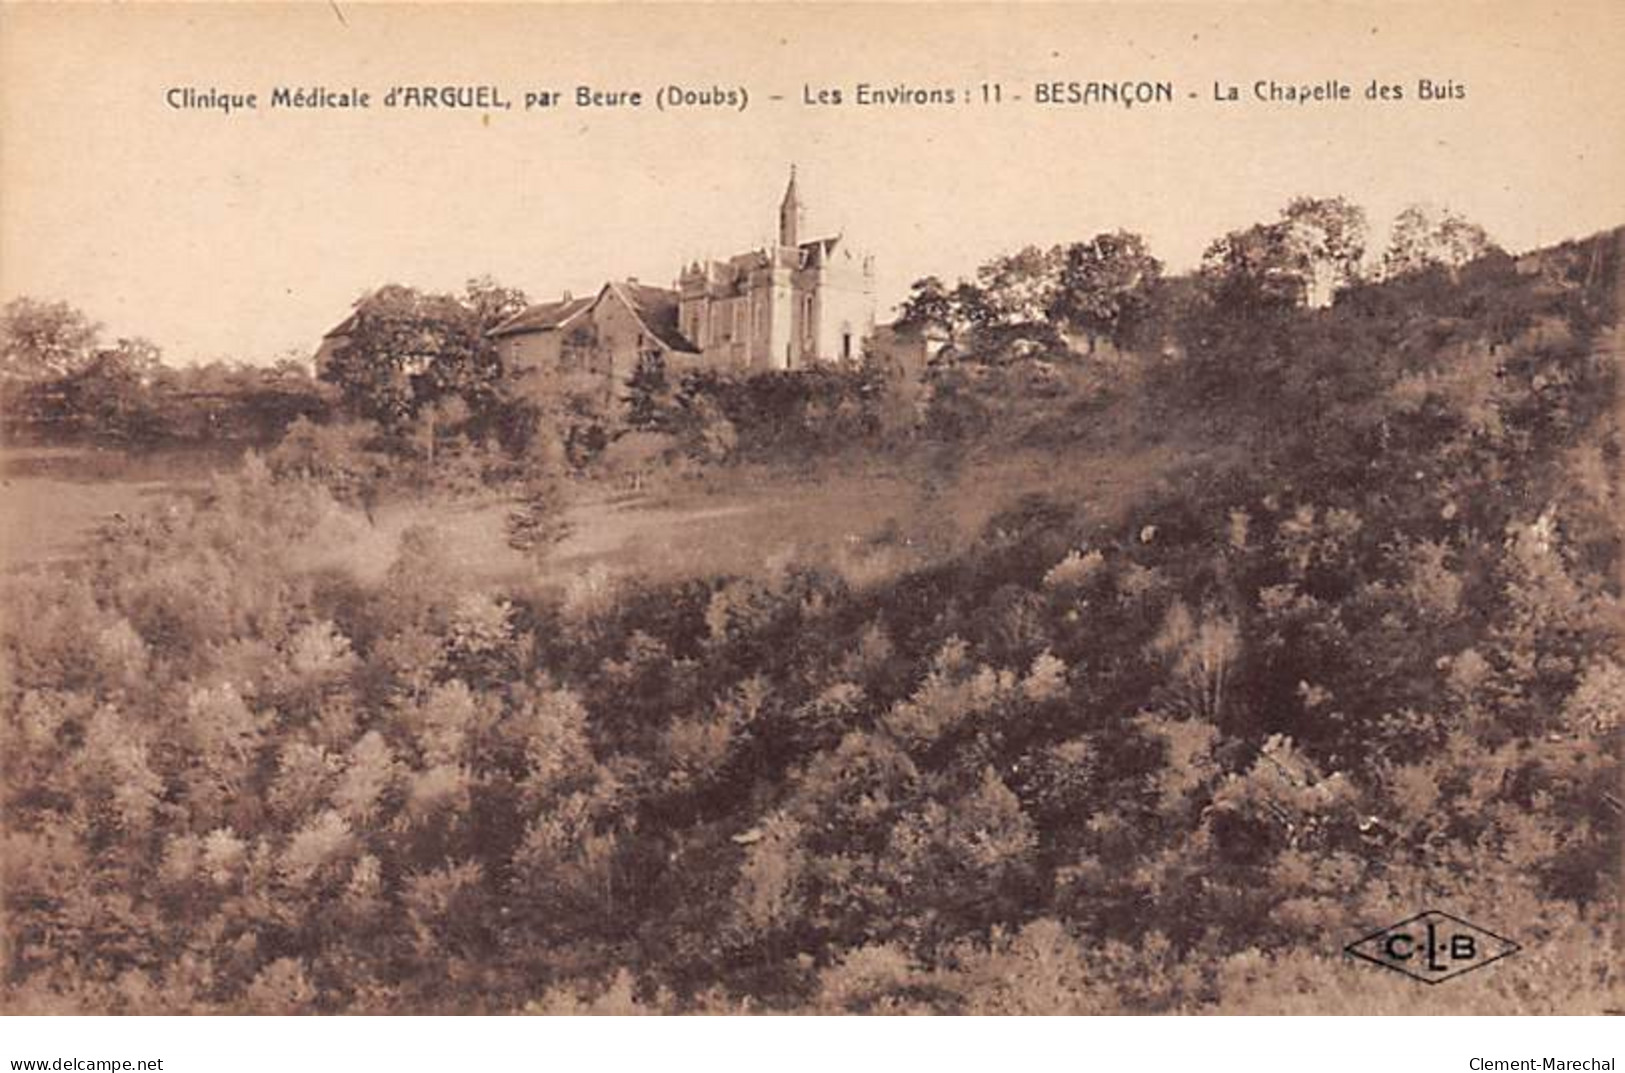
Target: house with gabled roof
(542, 318)
(591, 346)
(336, 339)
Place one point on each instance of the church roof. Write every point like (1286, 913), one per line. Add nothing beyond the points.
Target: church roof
(735, 268)
(748, 260)
(542, 317)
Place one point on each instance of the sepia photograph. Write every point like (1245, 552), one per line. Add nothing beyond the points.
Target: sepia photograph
(698, 509)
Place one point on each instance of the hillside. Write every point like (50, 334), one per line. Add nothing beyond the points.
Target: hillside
(1311, 624)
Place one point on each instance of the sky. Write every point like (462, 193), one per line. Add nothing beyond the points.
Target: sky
(247, 236)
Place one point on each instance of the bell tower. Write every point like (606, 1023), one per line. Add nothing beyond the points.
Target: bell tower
(791, 214)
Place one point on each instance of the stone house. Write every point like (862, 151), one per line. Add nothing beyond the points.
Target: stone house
(589, 347)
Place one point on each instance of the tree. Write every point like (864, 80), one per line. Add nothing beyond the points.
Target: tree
(973, 310)
(44, 340)
(1008, 305)
(338, 455)
(1424, 237)
(1105, 286)
(1253, 271)
(1328, 237)
(110, 395)
(1020, 287)
(706, 430)
(407, 349)
(965, 864)
(649, 395)
(478, 375)
(1314, 249)
(491, 302)
(930, 304)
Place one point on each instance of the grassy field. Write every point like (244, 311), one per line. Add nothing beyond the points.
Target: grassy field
(868, 519)
(53, 498)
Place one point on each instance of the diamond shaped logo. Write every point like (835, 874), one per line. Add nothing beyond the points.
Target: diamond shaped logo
(1433, 947)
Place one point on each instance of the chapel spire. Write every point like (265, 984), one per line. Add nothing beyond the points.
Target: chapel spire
(791, 214)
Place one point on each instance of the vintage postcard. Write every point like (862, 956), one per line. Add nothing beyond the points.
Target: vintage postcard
(1105, 508)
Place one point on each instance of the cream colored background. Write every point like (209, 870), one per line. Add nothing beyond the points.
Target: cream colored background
(245, 236)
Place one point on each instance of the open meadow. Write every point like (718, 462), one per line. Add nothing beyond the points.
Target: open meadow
(54, 499)
(869, 518)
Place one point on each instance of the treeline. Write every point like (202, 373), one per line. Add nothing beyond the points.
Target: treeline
(406, 356)
(60, 381)
(1112, 289)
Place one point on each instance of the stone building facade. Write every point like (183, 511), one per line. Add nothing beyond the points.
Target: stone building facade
(785, 306)
(589, 347)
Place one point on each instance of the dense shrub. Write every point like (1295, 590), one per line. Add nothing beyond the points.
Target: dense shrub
(772, 415)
